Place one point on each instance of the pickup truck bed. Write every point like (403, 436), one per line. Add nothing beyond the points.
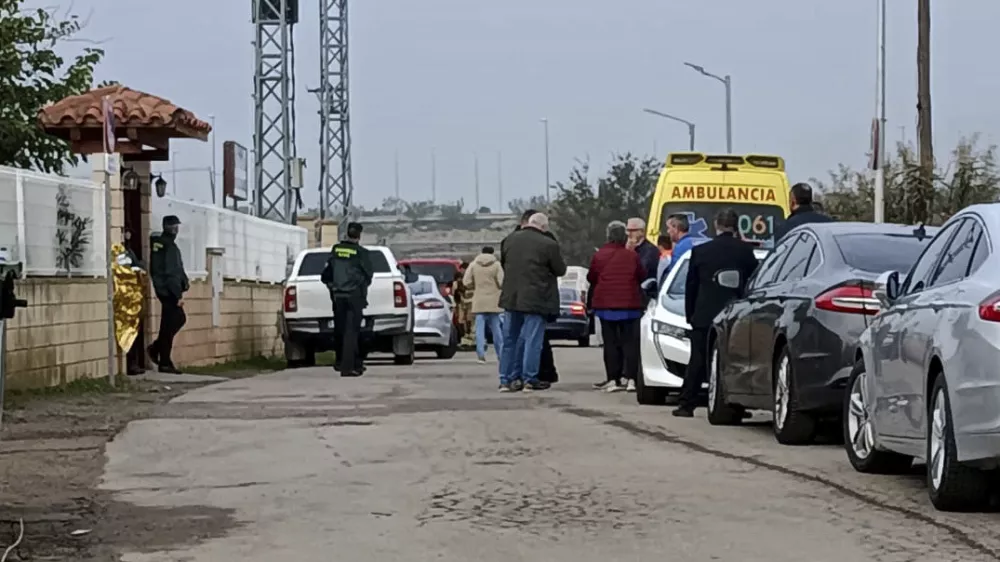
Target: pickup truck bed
(307, 311)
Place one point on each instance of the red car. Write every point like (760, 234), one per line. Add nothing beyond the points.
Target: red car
(443, 270)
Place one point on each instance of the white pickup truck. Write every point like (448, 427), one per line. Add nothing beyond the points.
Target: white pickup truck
(307, 311)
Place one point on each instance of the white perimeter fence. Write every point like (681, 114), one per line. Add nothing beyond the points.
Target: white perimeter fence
(55, 225)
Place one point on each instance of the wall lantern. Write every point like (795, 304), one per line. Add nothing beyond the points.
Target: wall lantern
(130, 179)
(159, 184)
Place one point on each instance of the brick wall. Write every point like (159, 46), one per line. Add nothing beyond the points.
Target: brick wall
(248, 324)
(61, 336)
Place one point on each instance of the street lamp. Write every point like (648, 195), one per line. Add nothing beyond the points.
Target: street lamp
(727, 81)
(548, 195)
(689, 124)
(212, 183)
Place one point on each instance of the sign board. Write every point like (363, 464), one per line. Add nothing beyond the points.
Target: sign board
(235, 171)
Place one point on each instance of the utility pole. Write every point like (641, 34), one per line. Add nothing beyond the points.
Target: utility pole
(396, 172)
(921, 195)
(476, 171)
(880, 132)
(499, 182)
(548, 186)
(433, 177)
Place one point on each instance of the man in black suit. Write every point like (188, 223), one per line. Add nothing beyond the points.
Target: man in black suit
(704, 298)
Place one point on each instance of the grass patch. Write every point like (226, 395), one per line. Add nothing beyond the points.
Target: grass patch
(14, 398)
(252, 366)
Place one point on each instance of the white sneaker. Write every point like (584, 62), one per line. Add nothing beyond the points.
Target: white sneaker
(631, 386)
(614, 388)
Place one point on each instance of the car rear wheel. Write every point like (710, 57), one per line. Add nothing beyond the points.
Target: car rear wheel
(648, 395)
(952, 485)
(448, 351)
(791, 426)
(584, 341)
(859, 433)
(719, 412)
(303, 356)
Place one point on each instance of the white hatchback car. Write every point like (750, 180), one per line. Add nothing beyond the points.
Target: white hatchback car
(665, 349)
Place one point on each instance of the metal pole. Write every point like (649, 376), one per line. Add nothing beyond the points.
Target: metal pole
(476, 172)
(729, 114)
(880, 128)
(173, 175)
(433, 177)
(109, 273)
(548, 194)
(396, 171)
(499, 182)
(214, 200)
(691, 136)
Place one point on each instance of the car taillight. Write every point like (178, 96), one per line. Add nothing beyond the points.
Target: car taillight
(989, 309)
(577, 309)
(399, 294)
(429, 305)
(852, 299)
(291, 299)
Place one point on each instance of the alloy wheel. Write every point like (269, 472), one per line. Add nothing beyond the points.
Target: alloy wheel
(859, 426)
(781, 394)
(939, 426)
(713, 379)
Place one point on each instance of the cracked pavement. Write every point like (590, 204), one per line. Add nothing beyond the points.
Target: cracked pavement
(430, 463)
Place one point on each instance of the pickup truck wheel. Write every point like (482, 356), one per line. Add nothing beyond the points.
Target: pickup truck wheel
(404, 359)
(583, 341)
(298, 356)
(449, 351)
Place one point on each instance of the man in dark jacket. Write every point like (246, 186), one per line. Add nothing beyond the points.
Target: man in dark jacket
(348, 274)
(804, 211)
(615, 276)
(547, 368)
(532, 264)
(166, 267)
(704, 298)
(649, 254)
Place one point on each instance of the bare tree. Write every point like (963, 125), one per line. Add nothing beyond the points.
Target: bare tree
(923, 192)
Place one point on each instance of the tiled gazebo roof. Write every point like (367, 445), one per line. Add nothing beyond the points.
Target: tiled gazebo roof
(140, 119)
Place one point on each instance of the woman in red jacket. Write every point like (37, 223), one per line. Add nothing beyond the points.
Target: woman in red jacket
(615, 276)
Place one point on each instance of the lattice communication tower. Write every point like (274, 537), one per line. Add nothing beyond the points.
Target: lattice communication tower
(335, 187)
(274, 127)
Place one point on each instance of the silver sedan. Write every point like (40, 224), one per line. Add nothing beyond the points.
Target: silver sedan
(926, 385)
(432, 318)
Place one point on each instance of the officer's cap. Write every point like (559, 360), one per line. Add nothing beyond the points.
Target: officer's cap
(171, 220)
(355, 226)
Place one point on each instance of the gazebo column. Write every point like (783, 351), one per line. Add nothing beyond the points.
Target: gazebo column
(117, 219)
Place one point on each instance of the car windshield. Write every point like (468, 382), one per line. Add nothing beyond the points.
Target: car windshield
(314, 262)
(676, 288)
(441, 272)
(878, 252)
(568, 295)
(757, 221)
(422, 287)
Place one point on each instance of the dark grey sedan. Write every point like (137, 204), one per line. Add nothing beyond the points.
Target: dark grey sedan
(788, 345)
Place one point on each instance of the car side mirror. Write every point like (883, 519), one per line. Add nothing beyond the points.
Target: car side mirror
(887, 288)
(728, 278)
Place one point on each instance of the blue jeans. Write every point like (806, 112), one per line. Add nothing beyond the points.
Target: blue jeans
(523, 337)
(496, 328)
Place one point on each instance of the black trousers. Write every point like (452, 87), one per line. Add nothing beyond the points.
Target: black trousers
(621, 349)
(547, 368)
(172, 319)
(697, 369)
(347, 316)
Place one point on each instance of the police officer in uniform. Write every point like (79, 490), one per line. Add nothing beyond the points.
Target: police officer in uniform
(166, 268)
(348, 274)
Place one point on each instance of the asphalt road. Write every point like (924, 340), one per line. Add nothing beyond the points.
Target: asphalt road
(432, 463)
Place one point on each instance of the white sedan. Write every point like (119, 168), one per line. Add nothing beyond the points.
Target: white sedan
(665, 349)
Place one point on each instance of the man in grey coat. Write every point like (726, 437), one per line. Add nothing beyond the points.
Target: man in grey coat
(532, 264)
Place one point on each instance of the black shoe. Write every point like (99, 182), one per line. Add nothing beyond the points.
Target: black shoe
(683, 412)
(135, 371)
(516, 386)
(531, 386)
(154, 356)
(354, 373)
(170, 370)
(506, 388)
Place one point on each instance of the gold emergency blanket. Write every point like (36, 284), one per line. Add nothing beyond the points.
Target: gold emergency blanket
(128, 297)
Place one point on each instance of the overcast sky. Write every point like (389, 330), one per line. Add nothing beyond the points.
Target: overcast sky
(466, 77)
